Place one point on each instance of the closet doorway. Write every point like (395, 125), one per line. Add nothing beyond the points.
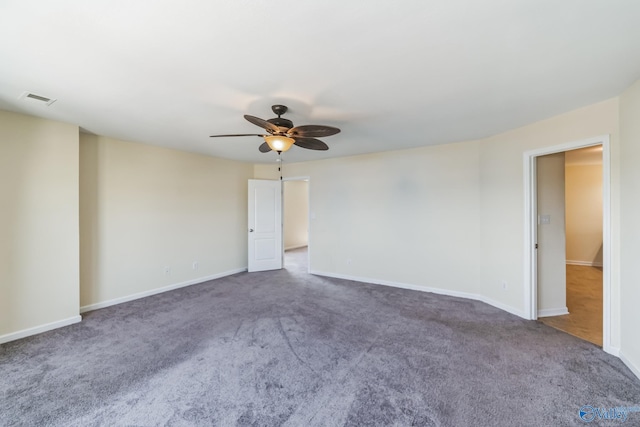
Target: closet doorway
(581, 316)
(535, 219)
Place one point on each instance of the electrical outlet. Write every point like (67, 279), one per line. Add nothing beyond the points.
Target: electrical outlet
(167, 270)
(195, 265)
(505, 286)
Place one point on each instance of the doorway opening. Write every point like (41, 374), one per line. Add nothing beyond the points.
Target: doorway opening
(295, 221)
(569, 205)
(532, 290)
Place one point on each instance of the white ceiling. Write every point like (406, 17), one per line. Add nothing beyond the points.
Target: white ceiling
(390, 74)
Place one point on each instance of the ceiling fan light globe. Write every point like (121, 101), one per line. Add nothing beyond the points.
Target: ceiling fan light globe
(279, 143)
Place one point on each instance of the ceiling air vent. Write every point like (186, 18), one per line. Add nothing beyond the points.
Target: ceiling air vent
(32, 97)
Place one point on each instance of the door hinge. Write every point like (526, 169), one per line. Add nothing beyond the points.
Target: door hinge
(536, 246)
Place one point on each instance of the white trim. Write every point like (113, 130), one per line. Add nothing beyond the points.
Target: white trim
(530, 234)
(497, 304)
(39, 329)
(297, 178)
(635, 369)
(584, 263)
(289, 248)
(606, 245)
(549, 312)
(615, 351)
(530, 228)
(421, 288)
(156, 291)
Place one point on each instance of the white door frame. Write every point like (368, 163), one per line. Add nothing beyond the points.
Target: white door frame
(310, 217)
(531, 226)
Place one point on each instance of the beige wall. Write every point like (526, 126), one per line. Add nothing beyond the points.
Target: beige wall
(630, 238)
(144, 208)
(445, 217)
(583, 185)
(296, 214)
(409, 217)
(502, 202)
(552, 275)
(39, 284)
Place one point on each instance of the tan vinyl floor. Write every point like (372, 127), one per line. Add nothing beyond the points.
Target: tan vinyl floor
(584, 301)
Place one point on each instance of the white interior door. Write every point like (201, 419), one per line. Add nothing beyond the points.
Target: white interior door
(551, 255)
(265, 225)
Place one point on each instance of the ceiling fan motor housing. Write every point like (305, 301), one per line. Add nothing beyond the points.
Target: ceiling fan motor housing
(279, 121)
(279, 109)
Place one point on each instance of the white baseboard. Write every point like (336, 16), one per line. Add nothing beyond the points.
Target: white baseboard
(39, 329)
(501, 306)
(65, 322)
(585, 263)
(635, 369)
(420, 288)
(288, 248)
(148, 293)
(614, 351)
(548, 312)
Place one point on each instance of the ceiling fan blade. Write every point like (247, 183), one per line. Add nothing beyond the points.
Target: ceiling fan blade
(262, 123)
(310, 143)
(237, 134)
(313, 131)
(264, 148)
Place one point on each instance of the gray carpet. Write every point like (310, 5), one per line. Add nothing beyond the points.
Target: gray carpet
(286, 348)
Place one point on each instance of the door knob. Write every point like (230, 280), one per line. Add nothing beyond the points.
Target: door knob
(251, 230)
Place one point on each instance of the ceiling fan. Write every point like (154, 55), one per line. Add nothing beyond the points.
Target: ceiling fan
(281, 134)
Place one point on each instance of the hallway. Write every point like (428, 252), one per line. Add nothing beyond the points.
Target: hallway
(297, 260)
